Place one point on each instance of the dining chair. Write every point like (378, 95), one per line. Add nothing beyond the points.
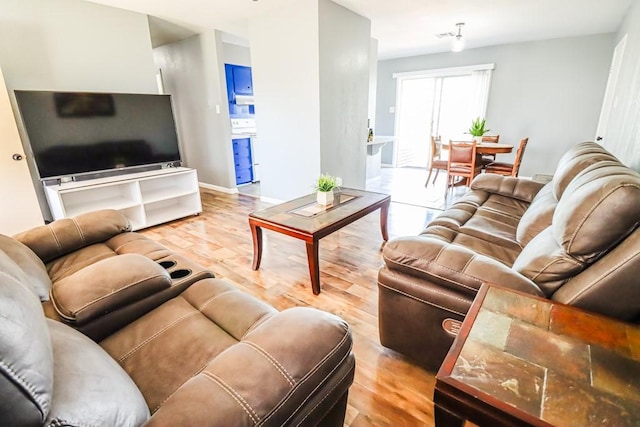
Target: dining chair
(488, 158)
(509, 169)
(435, 160)
(463, 162)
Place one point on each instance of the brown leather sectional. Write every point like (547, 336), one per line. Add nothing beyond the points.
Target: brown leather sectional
(574, 240)
(100, 326)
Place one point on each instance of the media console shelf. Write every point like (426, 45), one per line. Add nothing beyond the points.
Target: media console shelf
(146, 198)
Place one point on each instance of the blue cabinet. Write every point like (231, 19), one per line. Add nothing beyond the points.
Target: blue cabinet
(242, 83)
(239, 82)
(242, 160)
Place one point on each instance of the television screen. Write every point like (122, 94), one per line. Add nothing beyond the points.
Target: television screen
(78, 133)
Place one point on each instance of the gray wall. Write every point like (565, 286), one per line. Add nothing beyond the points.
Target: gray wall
(345, 39)
(194, 77)
(548, 90)
(623, 129)
(73, 45)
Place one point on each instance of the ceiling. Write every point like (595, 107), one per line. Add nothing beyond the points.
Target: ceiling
(402, 27)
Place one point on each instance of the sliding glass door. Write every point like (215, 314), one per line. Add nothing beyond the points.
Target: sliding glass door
(437, 102)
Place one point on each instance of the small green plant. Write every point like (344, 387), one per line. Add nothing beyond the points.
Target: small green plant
(478, 127)
(326, 183)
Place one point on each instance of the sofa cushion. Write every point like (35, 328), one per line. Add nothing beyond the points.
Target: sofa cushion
(574, 161)
(598, 209)
(90, 388)
(106, 286)
(32, 266)
(26, 359)
(538, 215)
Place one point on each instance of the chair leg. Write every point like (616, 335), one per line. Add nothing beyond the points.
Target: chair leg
(429, 176)
(435, 177)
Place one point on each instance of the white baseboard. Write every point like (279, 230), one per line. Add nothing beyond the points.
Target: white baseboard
(218, 188)
(271, 200)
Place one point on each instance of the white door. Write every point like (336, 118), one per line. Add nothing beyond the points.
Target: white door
(609, 95)
(20, 209)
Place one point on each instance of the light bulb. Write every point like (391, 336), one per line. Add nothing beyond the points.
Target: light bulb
(457, 45)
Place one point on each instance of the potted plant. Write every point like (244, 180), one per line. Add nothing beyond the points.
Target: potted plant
(478, 129)
(324, 188)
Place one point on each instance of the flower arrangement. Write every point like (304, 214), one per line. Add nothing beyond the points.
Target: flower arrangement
(478, 127)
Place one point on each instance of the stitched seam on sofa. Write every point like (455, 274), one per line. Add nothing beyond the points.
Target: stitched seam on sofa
(235, 395)
(85, 262)
(204, 304)
(116, 292)
(440, 252)
(156, 334)
(33, 394)
(425, 301)
(432, 273)
(258, 322)
(18, 281)
(55, 237)
(196, 372)
(550, 263)
(84, 241)
(271, 360)
(602, 276)
(325, 397)
(471, 258)
(589, 212)
(282, 401)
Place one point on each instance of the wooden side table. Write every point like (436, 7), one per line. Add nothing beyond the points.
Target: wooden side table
(520, 360)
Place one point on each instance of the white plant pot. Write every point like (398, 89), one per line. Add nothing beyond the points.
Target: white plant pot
(325, 197)
(477, 139)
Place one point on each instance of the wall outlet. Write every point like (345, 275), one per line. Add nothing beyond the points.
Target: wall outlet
(217, 109)
(392, 109)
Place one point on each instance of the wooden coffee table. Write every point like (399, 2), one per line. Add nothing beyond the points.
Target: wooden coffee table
(525, 361)
(305, 219)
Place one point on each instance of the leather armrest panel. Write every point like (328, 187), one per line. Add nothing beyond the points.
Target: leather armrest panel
(67, 235)
(106, 286)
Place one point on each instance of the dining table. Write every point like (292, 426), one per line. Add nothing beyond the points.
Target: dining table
(488, 147)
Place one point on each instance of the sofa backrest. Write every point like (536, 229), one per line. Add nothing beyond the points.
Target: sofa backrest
(26, 357)
(37, 276)
(599, 208)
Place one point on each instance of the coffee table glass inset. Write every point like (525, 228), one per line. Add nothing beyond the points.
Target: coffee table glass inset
(304, 219)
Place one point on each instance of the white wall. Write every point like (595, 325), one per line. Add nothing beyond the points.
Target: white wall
(194, 76)
(73, 45)
(235, 54)
(285, 68)
(344, 92)
(548, 90)
(373, 83)
(623, 129)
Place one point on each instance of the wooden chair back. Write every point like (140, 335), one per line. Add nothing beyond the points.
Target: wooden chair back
(519, 154)
(462, 161)
(490, 138)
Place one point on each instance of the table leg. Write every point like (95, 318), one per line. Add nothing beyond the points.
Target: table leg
(314, 267)
(444, 418)
(384, 214)
(256, 235)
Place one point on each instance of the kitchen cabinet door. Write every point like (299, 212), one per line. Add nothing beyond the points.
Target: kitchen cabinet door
(242, 83)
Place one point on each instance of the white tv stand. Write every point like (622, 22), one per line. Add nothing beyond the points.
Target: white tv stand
(146, 198)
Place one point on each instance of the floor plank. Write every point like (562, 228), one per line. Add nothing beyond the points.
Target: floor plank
(388, 389)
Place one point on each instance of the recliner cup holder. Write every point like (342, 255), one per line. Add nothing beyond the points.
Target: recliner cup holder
(180, 273)
(167, 264)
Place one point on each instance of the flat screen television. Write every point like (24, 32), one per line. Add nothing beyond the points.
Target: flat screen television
(73, 133)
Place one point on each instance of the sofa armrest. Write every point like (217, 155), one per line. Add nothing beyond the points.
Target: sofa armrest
(66, 235)
(517, 188)
(452, 266)
(291, 369)
(106, 286)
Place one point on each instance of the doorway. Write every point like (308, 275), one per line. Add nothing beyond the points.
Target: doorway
(437, 102)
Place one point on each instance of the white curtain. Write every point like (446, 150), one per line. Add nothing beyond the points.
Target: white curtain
(481, 83)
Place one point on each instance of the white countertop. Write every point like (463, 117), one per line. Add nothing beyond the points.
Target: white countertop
(381, 139)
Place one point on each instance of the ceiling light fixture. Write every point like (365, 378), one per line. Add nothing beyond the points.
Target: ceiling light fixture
(457, 45)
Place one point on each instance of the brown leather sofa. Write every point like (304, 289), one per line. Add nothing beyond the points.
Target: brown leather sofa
(137, 335)
(574, 240)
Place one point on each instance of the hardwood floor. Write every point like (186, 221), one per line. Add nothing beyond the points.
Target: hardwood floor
(388, 390)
